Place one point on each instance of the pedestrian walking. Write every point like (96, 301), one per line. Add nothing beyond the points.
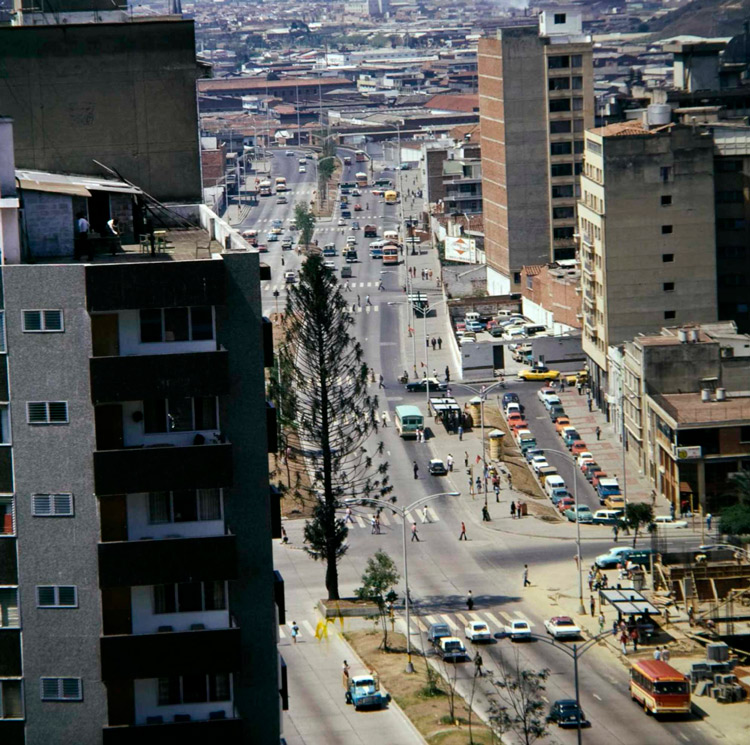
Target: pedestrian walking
(510, 480)
(349, 518)
(615, 531)
(447, 374)
(519, 511)
(479, 484)
(665, 655)
(526, 582)
(461, 437)
(512, 509)
(471, 486)
(295, 632)
(497, 492)
(592, 605)
(425, 515)
(377, 523)
(601, 623)
(579, 388)
(470, 601)
(657, 653)
(380, 284)
(373, 525)
(624, 642)
(634, 638)
(380, 382)
(478, 662)
(449, 462)
(485, 514)
(598, 433)
(709, 517)
(671, 509)
(345, 674)
(367, 300)
(433, 341)
(416, 470)
(414, 535)
(591, 578)
(359, 300)
(588, 402)
(427, 346)
(466, 458)
(385, 421)
(462, 535)
(440, 346)
(284, 536)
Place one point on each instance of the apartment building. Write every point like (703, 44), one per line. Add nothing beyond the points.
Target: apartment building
(536, 99)
(136, 579)
(648, 246)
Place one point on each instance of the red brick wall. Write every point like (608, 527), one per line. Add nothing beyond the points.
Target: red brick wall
(556, 296)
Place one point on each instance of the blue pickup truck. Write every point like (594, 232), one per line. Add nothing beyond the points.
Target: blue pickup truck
(363, 693)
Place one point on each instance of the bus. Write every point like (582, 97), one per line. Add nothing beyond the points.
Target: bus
(390, 254)
(281, 183)
(265, 188)
(347, 160)
(390, 236)
(361, 179)
(360, 156)
(659, 687)
(408, 420)
(391, 197)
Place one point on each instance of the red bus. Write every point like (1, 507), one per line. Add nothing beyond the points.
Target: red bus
(659, 688)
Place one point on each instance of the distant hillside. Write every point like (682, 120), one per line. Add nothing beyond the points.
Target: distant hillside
(703, 18)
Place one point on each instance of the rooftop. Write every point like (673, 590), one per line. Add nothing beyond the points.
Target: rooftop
(624, 129)
(688, 408)
(238, 84)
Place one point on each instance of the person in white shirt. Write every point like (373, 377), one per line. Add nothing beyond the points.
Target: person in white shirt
(83, 225)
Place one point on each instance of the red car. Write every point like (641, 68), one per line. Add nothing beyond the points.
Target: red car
(578, 447)
(262, 247)
(358, 207)
(565, 504)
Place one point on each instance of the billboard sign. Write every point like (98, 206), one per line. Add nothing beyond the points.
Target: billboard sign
(461, 249)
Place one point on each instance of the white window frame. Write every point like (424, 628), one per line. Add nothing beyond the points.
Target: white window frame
(189, 309)
(54, 503)
(5, 429)
(10, 499)
(3, 339)
(172, 521)
(56, 591)
(43, 321)
(18, 608)
(60, 684)
(3, 718)
(47, 419)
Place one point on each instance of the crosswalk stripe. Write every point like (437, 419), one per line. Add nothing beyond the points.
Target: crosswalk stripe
(409, 518)
(309, 627)
(384, 518)
(376, 308)
(434, 515)
(432, 620)
(450, 622)
(418, 623)
(360, 521)
(521, 617)
(505, 616)
(462, 619)
(397, 518)
(282, 635)
(493, 620)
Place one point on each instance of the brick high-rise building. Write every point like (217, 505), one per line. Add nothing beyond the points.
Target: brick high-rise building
(536, 99)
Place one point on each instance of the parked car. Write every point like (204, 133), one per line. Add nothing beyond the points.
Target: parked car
(544, 393)
(567, 713)
(561, 423)
(516, 419)
(553, 482)
(514, 408)
(290, 278)
(438, 631)
(555, 412)
(550, 401)
(564, 504)
(667, 521)
(508, 397)
(581, 513)
(363, 692)
(616, 555)
(589, 467)
(420, 386)
(475, 326)
(477, 631)
(437, 467)
(607, 517)
(578, 447)
(531, 452)
(557, 494)
(539, 373)
(452, 648)
(562, 627)
(518, 630)
(614, 502)
(537, 462)
(569, 435)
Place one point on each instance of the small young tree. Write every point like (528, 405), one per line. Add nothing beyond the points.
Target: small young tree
(517, 703)
(638, 515)
(378, 582)
(335, 415)
(735, 520)
(305, 220)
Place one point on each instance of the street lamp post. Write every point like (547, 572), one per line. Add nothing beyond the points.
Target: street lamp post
(581, 607)
(401, 511)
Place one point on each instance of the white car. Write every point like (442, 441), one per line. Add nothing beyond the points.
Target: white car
(667, 521)
(584, 457)
(330, 265)
(342, 222)
(539, 461)
(477, 631)
(545, 393)
(562, 627)
(518, 630)
(302, 169)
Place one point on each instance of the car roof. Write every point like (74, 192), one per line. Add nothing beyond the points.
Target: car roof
(439, 626)
(558, 619)
(566, 702)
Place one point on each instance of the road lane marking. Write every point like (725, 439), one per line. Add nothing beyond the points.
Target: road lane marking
(434, 515)
(309, 627)
(462, 619)
(418, 623)
(596, 696)
(494, 620)
(450, 622)
(505, 616)
(521, 617)
(432, 620)
(684, 737)
(360, 521)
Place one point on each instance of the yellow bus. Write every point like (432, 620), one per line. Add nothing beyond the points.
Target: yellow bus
(391, 197)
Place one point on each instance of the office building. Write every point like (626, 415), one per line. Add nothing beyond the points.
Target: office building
(648, 246)
(136, 580)
(535, 99)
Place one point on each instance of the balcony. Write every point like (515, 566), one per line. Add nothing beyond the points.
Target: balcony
(146, 469)
(185, 733)
(170, 653)
(156, 562)
(136, 377)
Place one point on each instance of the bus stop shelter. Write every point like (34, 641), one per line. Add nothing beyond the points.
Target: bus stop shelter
(447, 411)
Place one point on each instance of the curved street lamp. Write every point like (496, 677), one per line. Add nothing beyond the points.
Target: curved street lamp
(401, 511)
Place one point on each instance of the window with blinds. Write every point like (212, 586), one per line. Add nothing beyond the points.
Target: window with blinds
(42, 321)
(9, 617)
(62, 689)
(52, 505)
(56, 596)
(47, 412)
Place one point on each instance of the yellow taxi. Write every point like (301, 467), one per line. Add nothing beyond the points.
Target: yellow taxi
(581, 376)
(539, 373)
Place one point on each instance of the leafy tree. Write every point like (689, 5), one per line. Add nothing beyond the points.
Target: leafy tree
(305, 221)
(735, 520)
(378, 582)
(335, 415)
(638, 515)
(517, 704)
(740, 481)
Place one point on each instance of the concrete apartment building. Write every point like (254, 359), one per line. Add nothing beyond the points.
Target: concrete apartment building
(646, 221)
(536, 99)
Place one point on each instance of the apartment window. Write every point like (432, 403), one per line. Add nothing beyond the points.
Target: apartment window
(578, 147)
(576, 60)
(666, 229)
(563, 213)
(42, 321)
(56, 596)
(3, 344)
(184, 506)
(7, 516)
(52, 505)
(62, 689)
(190, 597)
(560, 148)
(179, 414)
(577, 168)
(733, 196)
(558, 62)
(559, 18)
(561, 127)
(11, 699)
(577, 104)
(668, 286)
(745, 434)
(9, 617)
(563, 234)
(194, 689)
(728, 166)
(577, 82)
(594, 146)
(47, 412)
(730, 223)
(561, 169)
(559, 104)
(176, 324)
(529, 282)
(578, 125)
(666, 200)
(670, 314)
(517, 278)
(558, 84)
(667, 258)
(665, 173)
(562, 191)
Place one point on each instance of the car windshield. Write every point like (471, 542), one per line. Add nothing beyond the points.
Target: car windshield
(564, 622)
(480, 627)
(364, 683)
(670, 687)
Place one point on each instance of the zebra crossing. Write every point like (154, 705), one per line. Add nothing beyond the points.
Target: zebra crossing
(456, 622)
(347, 286)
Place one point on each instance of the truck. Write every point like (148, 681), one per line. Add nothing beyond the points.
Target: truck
(364, 692)
(370, 231)
(525, 439)
(265, 188)
(607, 488)
(361, 179)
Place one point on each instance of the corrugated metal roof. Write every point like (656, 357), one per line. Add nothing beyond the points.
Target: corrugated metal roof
(62, 183)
